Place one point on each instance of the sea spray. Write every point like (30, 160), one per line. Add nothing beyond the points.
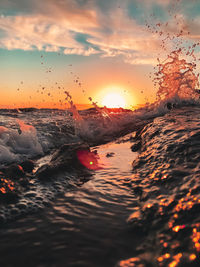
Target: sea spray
(82, 127)
(102, 111)
(77, 118)
(92, 129)
(176, 79)
(27, 141)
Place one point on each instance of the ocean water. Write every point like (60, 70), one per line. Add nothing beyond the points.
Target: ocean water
(129, 208)
(104, 187)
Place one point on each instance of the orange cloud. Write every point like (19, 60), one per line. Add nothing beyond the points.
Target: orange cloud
(54, 26)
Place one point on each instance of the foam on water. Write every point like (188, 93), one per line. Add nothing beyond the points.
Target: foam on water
(16, 145)
(38, 196)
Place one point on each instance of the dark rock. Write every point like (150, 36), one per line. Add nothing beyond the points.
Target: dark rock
(111, 154)
(14, 171)
(28, 166)
(169, 105)
(136, 146)
(8, 190)
(9, 197)
(24, 182)
(12, 186)
(65, 159)
(138, 190)
(67, 152)
(46, 172)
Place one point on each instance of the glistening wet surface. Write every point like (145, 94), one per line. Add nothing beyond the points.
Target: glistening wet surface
(86, 226)
(124, 214)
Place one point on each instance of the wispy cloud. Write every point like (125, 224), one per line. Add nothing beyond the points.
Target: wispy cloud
(55, 25)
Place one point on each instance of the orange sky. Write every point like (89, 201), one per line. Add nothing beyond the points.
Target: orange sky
(88, 48)
(31, 83)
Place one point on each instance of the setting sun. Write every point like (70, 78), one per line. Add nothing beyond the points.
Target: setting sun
(113, 100)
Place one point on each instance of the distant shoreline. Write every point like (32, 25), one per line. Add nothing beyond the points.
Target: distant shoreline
(90, 108)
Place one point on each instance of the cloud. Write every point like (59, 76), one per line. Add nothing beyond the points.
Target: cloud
(80, 51)
(54, 26)
(29, 32)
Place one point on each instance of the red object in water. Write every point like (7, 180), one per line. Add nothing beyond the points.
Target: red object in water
(88, 159)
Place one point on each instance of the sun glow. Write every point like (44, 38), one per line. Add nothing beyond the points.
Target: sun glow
(114, 100)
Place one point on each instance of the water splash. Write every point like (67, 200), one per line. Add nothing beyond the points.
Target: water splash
(73, 109)
(102, 111)
(176, 79)
(92, 127)
(79, 125)
(175, 75)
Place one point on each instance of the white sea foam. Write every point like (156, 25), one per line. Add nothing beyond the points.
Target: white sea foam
(15, 145)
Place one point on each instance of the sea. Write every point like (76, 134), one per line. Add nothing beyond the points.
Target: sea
(103, 187)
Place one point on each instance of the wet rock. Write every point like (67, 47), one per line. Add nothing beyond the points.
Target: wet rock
(169, 105)
(65, 159)
(12, 183)
(136, 146)
(24, 182)
(14, 171)
(46, 172)
(170, 193)
(9, 197)
(111, 154)
(28, 165)
(8, 190)
(138, 190)
(67, 153)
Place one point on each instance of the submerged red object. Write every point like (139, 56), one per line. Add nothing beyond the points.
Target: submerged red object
(88, 159)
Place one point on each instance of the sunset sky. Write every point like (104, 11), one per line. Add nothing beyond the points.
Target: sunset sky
(86, 47)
